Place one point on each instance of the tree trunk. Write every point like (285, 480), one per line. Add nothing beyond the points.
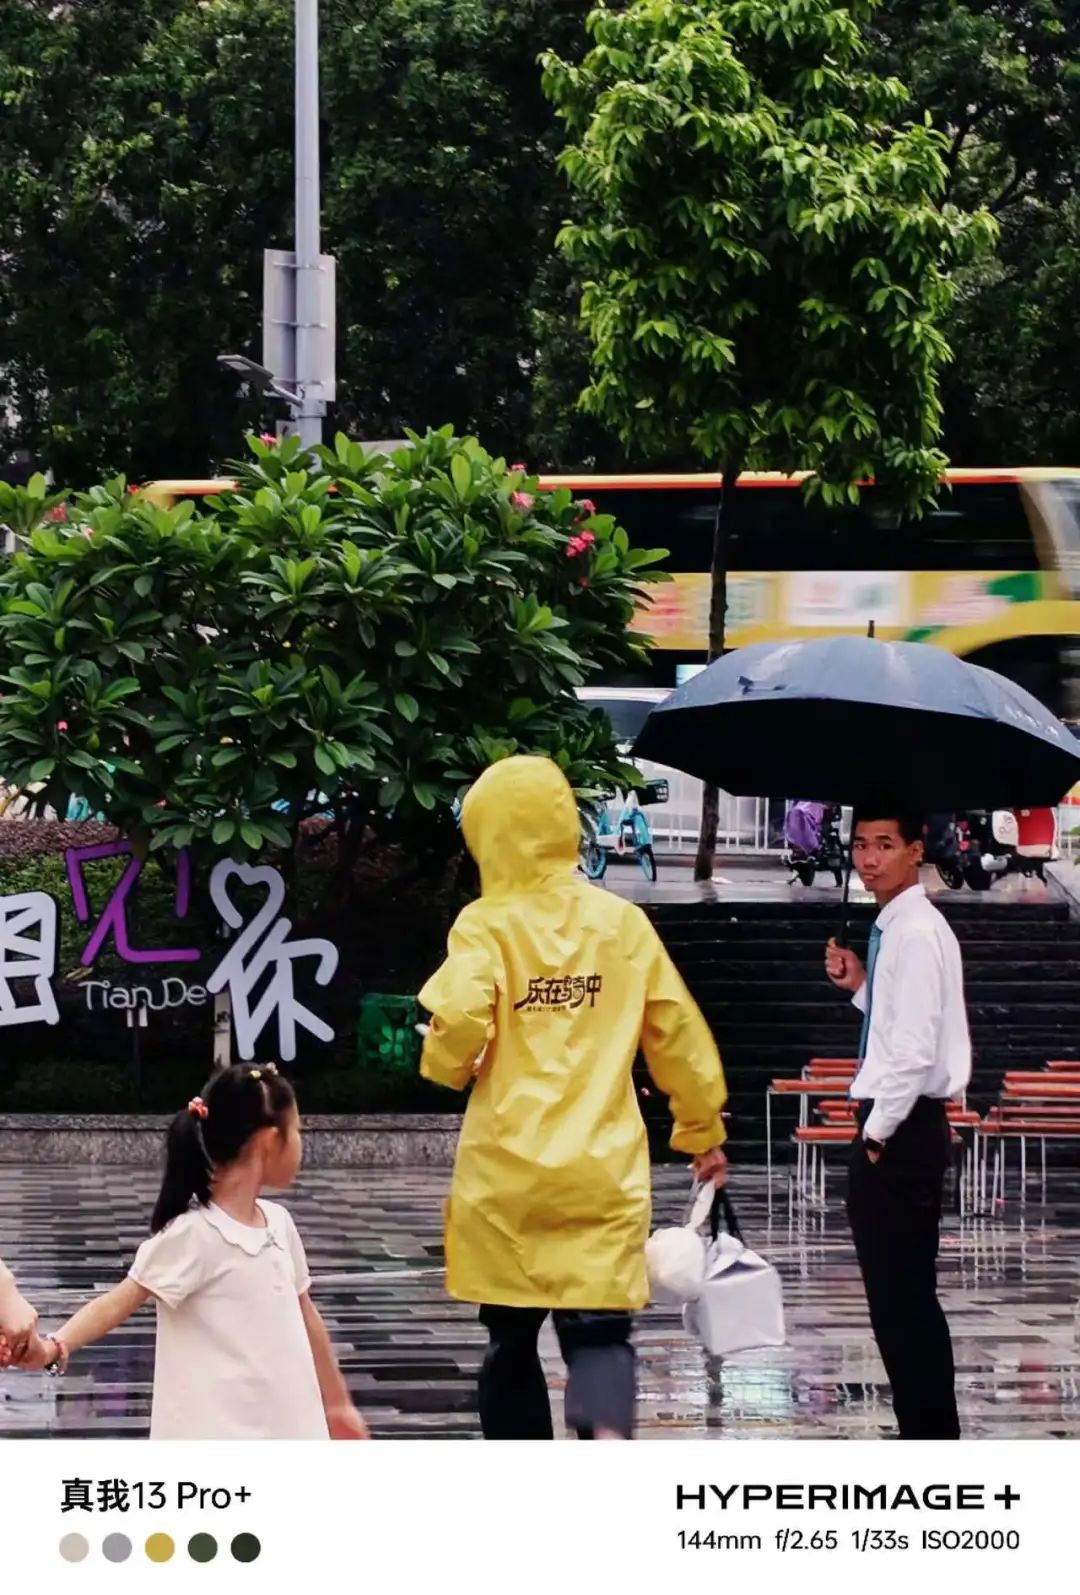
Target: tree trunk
(710, 820)
(725, 515)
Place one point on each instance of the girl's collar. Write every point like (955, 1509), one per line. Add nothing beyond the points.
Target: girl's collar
(246, 1236)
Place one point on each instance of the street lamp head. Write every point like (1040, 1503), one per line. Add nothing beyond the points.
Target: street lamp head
(261, 378)
(258, 376)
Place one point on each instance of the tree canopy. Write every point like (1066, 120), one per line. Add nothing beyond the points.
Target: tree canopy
(766, 255)
(145, 162)
(1002, 79)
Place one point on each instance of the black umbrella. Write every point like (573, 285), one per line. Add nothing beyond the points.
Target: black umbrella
(851, 718)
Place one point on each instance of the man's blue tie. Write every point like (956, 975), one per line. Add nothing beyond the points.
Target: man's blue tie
(871, 961)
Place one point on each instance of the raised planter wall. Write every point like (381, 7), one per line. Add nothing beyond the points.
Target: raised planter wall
(137, 1140)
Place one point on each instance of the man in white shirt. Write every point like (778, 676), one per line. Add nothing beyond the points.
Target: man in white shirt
(915, 1054)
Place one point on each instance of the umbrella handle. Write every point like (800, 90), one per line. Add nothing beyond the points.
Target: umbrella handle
(845, 904)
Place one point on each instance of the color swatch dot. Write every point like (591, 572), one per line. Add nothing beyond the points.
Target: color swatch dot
(74, 1547)
(245, 1548)
(202, 1547)
(117, 1547)
(159, 1548)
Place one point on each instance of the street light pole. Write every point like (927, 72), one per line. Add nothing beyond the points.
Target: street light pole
(309, 301)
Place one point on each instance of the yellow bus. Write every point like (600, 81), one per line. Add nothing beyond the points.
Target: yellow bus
(991, 572)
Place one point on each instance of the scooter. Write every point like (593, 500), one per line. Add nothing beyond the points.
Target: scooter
(1037, 842)
(971, 849)
(812, 831)
(628, 837)
(980, 846)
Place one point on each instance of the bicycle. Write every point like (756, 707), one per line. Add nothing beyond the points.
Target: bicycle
(629, 836)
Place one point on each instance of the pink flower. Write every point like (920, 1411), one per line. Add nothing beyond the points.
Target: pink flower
(587, 538)
(579, 544)
(584, 582)
(61, 725)
(133, 487)
(269, 438)
(585, 509)
(522, 501)
(519, 467)
(58, 514)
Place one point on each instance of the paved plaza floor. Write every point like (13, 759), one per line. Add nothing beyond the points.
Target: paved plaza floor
(1010, 1289)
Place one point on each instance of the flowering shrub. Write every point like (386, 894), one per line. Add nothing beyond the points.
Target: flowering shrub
(344, 634)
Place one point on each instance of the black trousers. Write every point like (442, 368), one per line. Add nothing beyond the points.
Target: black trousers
(894, 1208)
(599, 1357)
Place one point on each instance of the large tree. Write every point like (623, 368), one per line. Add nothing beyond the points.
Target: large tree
(146, 161)
(766, 254)
(1002, 79)
(143, 167)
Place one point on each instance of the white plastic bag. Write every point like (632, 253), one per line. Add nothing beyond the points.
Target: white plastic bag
(675, 1257)
(740, 1306)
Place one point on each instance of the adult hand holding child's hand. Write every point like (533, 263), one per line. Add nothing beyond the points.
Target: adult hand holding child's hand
(18, 1324)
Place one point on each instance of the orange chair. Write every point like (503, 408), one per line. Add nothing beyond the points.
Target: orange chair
(831, 1068)
(802, 1091)
(811, 1142)
(1022, 1117)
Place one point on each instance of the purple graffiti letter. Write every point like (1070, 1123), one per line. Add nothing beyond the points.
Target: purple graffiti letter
(114, 917)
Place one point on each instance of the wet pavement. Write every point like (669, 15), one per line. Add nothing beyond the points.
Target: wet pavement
(1010, 1289)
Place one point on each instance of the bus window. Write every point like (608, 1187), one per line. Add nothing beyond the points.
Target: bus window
(973, 526)
(680, 519)
(776, 529)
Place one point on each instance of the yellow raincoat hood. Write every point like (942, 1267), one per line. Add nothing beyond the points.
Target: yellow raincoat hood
(549, 989)
(520, 823)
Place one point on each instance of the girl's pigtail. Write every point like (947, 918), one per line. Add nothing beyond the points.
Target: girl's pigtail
(187, 1167)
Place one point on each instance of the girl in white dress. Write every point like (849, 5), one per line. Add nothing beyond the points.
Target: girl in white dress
(242, 1353)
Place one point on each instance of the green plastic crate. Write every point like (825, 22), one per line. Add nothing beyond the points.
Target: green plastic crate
(386, 1035)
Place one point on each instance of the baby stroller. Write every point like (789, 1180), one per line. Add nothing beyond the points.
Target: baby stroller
(812, 833)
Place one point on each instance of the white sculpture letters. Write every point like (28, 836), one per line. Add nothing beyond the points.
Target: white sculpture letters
(256, 971)
(261, 952)
(28, 937)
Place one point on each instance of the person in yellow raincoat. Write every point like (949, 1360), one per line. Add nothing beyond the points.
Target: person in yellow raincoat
(549, 988)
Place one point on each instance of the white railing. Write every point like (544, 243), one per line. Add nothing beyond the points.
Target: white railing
(676, 824)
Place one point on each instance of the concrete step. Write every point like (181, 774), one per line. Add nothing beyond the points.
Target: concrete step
(815, 992)
(960, 911)
(725, 932)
